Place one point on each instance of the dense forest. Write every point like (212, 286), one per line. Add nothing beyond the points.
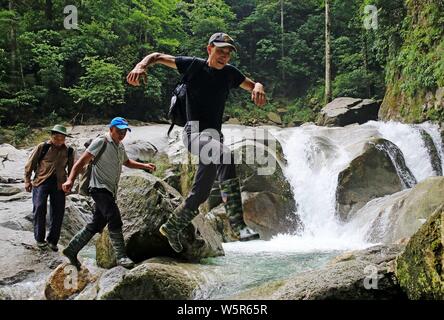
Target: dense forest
(51, 71)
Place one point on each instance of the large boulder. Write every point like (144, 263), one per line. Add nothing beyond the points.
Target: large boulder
(420, 268)
(267, 196)
(78, 213)
(359, 275)
(269, 214)
(380, 170)
(344, 111)
(154, 279)
(435, 158)
(259, 163)
(400, 215)
(12, 163)
(220, 222)
(145, 203)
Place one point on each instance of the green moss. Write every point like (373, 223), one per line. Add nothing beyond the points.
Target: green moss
(418, 67)
(419, 269)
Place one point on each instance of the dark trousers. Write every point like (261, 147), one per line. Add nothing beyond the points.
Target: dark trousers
(57, 210)
(106, 212)
(209, 168)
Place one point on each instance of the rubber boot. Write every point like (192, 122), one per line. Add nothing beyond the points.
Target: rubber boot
(119, 248)
(231, 196)
(76, 244)
(178, 220)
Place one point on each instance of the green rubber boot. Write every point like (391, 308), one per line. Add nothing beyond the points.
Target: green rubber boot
(118, 243)
(231, 195)
(178, 220)
(76, 244)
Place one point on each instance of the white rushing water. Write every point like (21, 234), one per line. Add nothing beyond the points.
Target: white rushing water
(315, 157)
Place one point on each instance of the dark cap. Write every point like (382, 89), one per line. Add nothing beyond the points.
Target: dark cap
(222, 40)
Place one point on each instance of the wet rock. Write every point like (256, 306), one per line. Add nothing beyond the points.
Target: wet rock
(420, 268)
(371, 175)
(433, 152)
(359, 275)
(65, 281)
(269, 214)
(220, 222)
(154, 279)
(400, 215)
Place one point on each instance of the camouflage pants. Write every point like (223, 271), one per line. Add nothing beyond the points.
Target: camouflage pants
(211, 166)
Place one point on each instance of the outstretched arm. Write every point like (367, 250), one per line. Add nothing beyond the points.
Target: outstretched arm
(257, 91)
(138, 165)
(140, 69)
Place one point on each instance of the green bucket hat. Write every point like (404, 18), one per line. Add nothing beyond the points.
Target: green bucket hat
(60, 129)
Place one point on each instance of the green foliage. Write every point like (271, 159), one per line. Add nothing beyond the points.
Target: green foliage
(358, 83)
(418, 65)
(48, 73)
(21, 132)
(102, 84)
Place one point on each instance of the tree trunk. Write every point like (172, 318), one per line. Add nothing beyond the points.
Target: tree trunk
(13, 45)
(366, 67)
(282, 37)
(48, 10)
(328, 94)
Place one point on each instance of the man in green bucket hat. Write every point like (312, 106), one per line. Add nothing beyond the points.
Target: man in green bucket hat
(51, 161)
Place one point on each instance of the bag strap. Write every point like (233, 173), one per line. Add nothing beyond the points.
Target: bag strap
(70, 152)
(101, 151)
(191, 71)
(44, 151)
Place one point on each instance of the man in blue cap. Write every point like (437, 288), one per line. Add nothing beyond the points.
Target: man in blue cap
(209, 82)
(110, 155)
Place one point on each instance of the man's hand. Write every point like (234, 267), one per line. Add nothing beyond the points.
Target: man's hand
(28, 186)
(258, 95)
(139, 72)
(151, 167)
(67, 186)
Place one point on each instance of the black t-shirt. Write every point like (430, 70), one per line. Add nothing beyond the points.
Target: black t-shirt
(208, 91)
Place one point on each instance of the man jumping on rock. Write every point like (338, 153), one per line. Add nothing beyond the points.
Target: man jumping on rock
(207, 92)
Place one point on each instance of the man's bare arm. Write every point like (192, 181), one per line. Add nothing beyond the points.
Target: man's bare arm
(140, 69)
(257, 91)
(138, 165)
(78, 166)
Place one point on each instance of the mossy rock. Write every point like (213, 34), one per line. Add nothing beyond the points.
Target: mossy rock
(420, 268)
(154, 279)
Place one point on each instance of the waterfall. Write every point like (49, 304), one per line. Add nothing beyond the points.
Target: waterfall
(316, 156)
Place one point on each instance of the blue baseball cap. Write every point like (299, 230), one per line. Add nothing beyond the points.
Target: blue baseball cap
(119, 123)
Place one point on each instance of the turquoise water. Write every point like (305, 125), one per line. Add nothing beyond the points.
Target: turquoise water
(239, 271)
